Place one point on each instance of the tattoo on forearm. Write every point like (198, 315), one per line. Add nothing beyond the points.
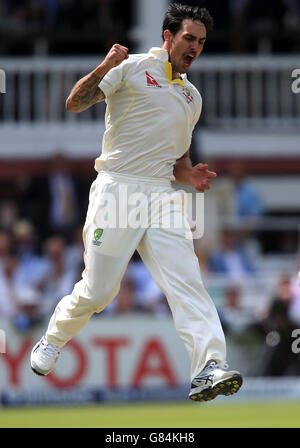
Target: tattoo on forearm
(85, 92)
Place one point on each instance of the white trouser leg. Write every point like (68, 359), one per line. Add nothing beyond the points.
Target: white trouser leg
(106, 260)
(171, 259)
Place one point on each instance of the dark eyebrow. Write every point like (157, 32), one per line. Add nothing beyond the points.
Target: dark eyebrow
(194, 37)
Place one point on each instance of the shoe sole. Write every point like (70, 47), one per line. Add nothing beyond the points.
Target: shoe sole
(226, 387)
(37, 373)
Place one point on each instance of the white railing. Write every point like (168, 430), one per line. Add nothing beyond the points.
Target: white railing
(36, 89)
(236, 90)
(251, 91)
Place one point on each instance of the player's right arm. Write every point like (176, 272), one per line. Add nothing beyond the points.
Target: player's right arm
(86, 92)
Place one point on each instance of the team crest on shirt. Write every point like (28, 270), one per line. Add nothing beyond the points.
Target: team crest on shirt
(151, 81)
(97, 235)
(187, 95)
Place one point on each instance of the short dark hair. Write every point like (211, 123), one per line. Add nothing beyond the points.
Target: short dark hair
(177, 12)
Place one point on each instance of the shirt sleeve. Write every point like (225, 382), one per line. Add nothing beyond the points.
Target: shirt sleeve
(113, 79)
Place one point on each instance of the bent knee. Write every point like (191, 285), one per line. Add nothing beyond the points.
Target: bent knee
(97, 294)
(101, 297)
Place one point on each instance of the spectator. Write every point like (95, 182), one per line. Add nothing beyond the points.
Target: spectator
(7, 306)
(5, 244)
(234, 317)
(8, 214)
(294, 309)
(63, 206)
(57, 202)
(28, 314)
(125, 301)
(59, 275)
(249, 207)
(74, 252)
(276, 329)
(8, 302)
(139, 292)
(19, 303)
(149, 296)
(233, 258)
(29, 269)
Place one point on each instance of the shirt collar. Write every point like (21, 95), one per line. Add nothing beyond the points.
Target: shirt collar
(162, 55)
(159, 53)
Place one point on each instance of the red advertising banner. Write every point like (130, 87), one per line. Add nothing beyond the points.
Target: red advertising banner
(108, 356)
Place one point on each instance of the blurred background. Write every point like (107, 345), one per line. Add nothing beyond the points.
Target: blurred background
(250, 252)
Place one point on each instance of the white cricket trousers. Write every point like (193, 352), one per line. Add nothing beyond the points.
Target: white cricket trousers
(116, 200)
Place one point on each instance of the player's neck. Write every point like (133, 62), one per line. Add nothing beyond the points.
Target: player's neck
(176, 75)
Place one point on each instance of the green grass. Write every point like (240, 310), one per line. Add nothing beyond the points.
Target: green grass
(165, 415)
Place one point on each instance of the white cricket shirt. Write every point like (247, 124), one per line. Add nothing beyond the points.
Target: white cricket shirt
(149, 117)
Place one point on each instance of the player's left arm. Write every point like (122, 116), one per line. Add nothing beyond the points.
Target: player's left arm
(199, 176)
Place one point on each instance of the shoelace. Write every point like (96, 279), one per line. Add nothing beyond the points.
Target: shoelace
(220, 365)
(48, 350)
(211, 367)
(207, 373)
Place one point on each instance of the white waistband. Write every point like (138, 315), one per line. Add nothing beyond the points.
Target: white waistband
(132, 178)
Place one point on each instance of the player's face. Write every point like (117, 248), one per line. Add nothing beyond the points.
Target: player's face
(185, 46)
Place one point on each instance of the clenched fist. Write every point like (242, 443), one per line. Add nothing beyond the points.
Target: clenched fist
(115, 56)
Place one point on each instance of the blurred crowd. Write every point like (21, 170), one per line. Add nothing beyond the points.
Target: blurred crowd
(63, 26)
(251, 26)
(92, 26)
(32, 281)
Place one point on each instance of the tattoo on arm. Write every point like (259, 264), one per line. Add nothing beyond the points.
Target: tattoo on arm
(85, 93)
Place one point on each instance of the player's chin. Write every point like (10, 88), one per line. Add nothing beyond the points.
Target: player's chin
(184, 68)
(186, 65)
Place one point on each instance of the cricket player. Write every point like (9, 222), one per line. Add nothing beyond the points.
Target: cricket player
(152, 109)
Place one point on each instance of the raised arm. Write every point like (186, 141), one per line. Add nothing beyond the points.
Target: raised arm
(198, 176)
(86, 92)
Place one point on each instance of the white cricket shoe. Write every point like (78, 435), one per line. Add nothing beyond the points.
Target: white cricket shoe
(214, 380)
(43, 357)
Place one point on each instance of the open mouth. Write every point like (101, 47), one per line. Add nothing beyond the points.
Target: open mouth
(188, 59)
